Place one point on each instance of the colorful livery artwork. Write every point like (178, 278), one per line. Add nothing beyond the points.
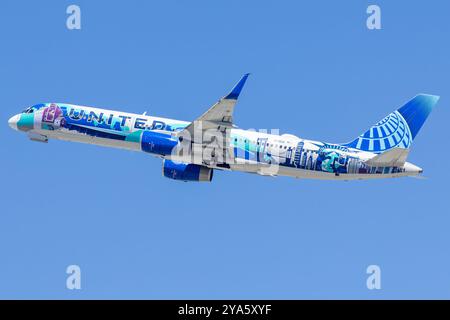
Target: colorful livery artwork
(192, 150)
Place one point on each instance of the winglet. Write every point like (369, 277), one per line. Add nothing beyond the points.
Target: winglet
(234, 94)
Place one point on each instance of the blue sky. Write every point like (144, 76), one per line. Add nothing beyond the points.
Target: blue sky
(317, 72)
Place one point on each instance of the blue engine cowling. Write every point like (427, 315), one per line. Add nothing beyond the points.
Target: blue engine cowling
(157, 143)
(186, 171)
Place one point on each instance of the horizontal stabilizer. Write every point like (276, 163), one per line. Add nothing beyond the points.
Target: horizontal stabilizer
(392, 158)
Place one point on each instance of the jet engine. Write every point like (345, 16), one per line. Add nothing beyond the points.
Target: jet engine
(186, 171)
(157, 143)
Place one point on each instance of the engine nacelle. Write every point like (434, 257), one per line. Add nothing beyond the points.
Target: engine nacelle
(186, 171)
(158, 143)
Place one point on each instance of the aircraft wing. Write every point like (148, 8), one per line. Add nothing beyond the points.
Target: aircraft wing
(395, 157)
(219, 116)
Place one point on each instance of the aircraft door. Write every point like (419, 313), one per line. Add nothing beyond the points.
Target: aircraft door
(261, 145)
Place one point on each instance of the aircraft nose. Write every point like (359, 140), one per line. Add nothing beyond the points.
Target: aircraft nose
(13, 121)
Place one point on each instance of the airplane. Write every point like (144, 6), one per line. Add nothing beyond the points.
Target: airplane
(191, 151)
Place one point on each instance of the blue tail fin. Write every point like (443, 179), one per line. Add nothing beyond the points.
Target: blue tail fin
(399, 128)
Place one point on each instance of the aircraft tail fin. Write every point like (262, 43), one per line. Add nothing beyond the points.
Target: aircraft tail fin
(395, 157)
(398, 129)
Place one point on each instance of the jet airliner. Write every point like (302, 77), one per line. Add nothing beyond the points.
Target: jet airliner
(191, 151)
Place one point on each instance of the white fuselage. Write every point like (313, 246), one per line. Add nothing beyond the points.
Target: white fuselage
(248, 151)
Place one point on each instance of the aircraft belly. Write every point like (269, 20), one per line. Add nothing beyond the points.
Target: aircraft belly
(83, 138)
(308, 174)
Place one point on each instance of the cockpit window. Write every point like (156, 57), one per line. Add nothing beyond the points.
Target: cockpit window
(33, 108)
